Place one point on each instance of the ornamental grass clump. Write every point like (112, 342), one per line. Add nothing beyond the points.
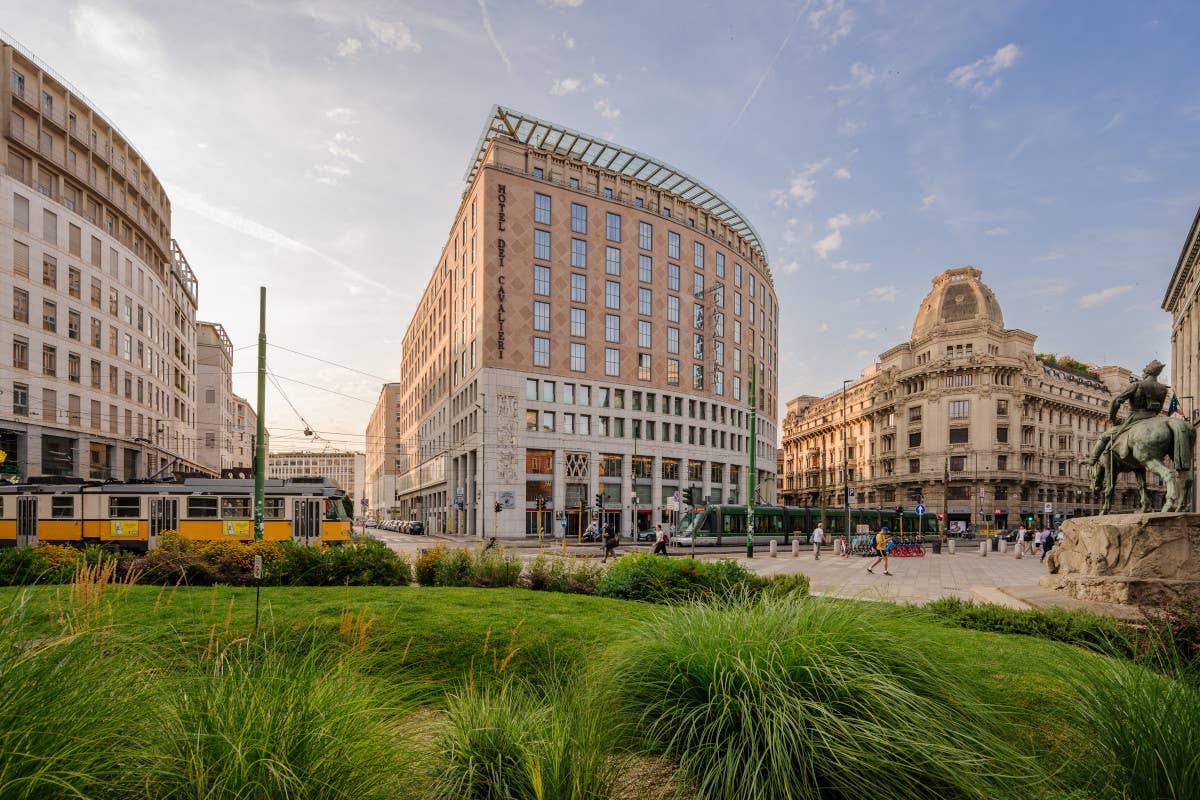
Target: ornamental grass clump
(801, 698)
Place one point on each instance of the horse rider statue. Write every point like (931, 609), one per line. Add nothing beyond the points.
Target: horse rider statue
(1142, 443)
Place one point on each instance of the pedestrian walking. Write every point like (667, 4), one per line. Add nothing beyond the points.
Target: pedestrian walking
(883, 545)
(660, 540)
(1047, 543)
(818, 538)
(839, 546)
(610, 545)
(1020, 541)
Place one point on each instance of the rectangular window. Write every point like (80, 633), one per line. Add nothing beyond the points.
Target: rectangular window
(573, 183)
(612, 260)
(541, 280)
(578, 288)
(73, 367)
(579, 322)
(673, 371)
(201, 507)
(698, 346)
(74, 283)
(49, 272)
(531, 389)
(21, 212)
(643, 369)
(914, 439)
(958, 463)
(20, 399)
(612, 295)
(538, 173)
(579, 253)
(737, 276)
(49, 316)
(20, 305)
(578, 218)
(1002, 434)
(673, 277)
(698, 255)
(541, 208)
(718, 351)
(672, 244)
(612, 328)
(959, 409)
(97, 333)
(612, 361)
(578, 357)
(720, 265)
(73, 324)
(645, 339)
(1001, 408)
(568, 426)
(20, 352)
(698, 284)
(672, 340)
(645, 301)
(541, 351)
(547, 422)
(541, 245)
(737, 331)
(645, 235)
(645, 268)
(585, 425)
(737, 388)
(697, 376)
(959, 435)
(672, 308)
(235, 507)
(612, 227)
(541, 316)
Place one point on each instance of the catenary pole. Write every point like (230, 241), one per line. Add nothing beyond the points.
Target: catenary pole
(753, 465)
(260, 441)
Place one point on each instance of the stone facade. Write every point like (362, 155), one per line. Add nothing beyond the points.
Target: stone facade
(345, 468)
(964, 417)
(1181, 302)
(385, 453)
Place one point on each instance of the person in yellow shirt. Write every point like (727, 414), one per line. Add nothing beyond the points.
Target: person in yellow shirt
(883, 543)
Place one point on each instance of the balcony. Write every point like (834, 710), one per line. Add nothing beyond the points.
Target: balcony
(27, 95)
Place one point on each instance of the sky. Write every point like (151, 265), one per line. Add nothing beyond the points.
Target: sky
(317, 148)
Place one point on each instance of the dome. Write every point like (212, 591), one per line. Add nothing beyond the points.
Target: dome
(958, 295)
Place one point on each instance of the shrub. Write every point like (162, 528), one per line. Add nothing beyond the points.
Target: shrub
(175, 560)
(24, 565)
(643, 576)
(454, 569)
(780, 585)
(1078, 627)
(570, 575)
(490, 568)
(505, 742)
(370, 563)
(427, 565)
(783, 697)
(60, 555)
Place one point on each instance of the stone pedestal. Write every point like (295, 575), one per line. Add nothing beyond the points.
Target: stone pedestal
(1134, 559)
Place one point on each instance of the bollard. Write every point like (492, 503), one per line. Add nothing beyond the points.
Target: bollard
(564, 545)
(1003, 546)
(773, 547)
(795, 548)
(1017, 547)
(950, 546)
(983, 548)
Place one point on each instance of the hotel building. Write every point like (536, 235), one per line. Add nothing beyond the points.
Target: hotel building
(98, 303)
(589, 329)
(1181, 303)
(965, 418)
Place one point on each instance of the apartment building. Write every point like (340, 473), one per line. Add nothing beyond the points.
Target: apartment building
(964, 418)
(590, 328)
(98, 302)
(385, 457)
(345, 468)
(216, 403)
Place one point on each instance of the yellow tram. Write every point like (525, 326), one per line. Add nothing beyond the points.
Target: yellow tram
(133, 515)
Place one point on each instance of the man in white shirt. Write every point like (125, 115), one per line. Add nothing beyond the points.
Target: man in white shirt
(818, 538)
(1021, 534)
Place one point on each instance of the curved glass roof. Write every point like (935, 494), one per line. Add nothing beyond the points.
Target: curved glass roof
(562, 141)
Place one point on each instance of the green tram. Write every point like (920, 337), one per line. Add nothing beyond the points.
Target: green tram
(726, 524)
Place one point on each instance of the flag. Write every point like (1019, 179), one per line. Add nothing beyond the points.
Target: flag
(1174, 407)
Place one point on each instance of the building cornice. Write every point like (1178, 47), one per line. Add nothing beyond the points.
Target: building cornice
(1184, 268)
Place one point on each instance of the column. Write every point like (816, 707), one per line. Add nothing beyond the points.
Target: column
(706, 483)
(559, 490)
(626, 493)
(656, 501)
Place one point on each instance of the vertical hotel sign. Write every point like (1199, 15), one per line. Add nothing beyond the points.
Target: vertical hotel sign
(501, 199)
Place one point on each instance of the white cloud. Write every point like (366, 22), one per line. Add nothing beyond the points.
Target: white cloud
(340, 115)
(1103, 296)
(829, 244)
(841, 173)
(599, 79)
(393, 36)
(607, 110)
(802, 189)
(996, 232)
(1051, 255)
(491, 33)
(883, 294)
(851, 266)
(850, 127)
(337, 147)
(868, 216)
(349, 46)
(861, 77)
(833, 21)
(833, 241)
(862, 334)
(568, 41)
(124, 37)
(565, 86)
(565, 3)
(927, 201)
(980, 76)
(1116, 120)
(791, 267)
(823, 327)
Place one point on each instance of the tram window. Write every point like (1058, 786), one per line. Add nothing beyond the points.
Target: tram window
(62, 507)
(334, 510)
(235, 507)
(205, 507)
(124, 507)
(735, 523)
(273, 508)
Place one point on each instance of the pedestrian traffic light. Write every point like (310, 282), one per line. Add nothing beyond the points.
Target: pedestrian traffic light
(688, 496)
(599, 500)
(541, 504)
(899, 509)
(941, 516)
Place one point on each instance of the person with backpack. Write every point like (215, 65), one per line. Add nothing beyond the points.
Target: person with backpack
(660, 540)
(883, 545)
(1047, 544)
(611, 540)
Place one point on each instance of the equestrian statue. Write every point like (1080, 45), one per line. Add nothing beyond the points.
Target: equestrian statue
(1144, 441)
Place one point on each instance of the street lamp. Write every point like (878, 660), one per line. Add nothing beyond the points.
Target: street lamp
(845, 460)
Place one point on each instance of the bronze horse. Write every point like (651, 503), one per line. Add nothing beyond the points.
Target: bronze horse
(1145, 446)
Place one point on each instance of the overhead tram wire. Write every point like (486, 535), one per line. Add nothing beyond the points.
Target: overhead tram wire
(331, 363)
(311, 386)
(308, 429)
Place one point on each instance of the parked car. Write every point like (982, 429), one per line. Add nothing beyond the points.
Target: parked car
(416, 527)
(647, 535)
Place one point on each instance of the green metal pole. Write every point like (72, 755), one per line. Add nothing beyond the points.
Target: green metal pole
(260, 443)
(753, 465)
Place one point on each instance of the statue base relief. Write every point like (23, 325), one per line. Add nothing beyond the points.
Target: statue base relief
(1129, 559)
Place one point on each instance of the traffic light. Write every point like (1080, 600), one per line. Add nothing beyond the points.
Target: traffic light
(599, 500)
(497, 507)
(899, 509)
(941, 516)
(688, 496)
(541, 504)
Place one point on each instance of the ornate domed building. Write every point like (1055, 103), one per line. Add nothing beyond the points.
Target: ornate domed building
(964, 418)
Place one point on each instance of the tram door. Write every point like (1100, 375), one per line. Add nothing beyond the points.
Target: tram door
(306, 521)
(164, 516)
(27, 520)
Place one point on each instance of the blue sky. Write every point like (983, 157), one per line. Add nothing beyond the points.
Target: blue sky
(318, 148)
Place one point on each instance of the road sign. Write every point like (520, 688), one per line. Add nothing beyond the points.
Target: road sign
(850, 491)
(673, 503)
(920, 509)
(1049, 508)
(675, 497)
(363, 502)
(564, 522)
(459, 491)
